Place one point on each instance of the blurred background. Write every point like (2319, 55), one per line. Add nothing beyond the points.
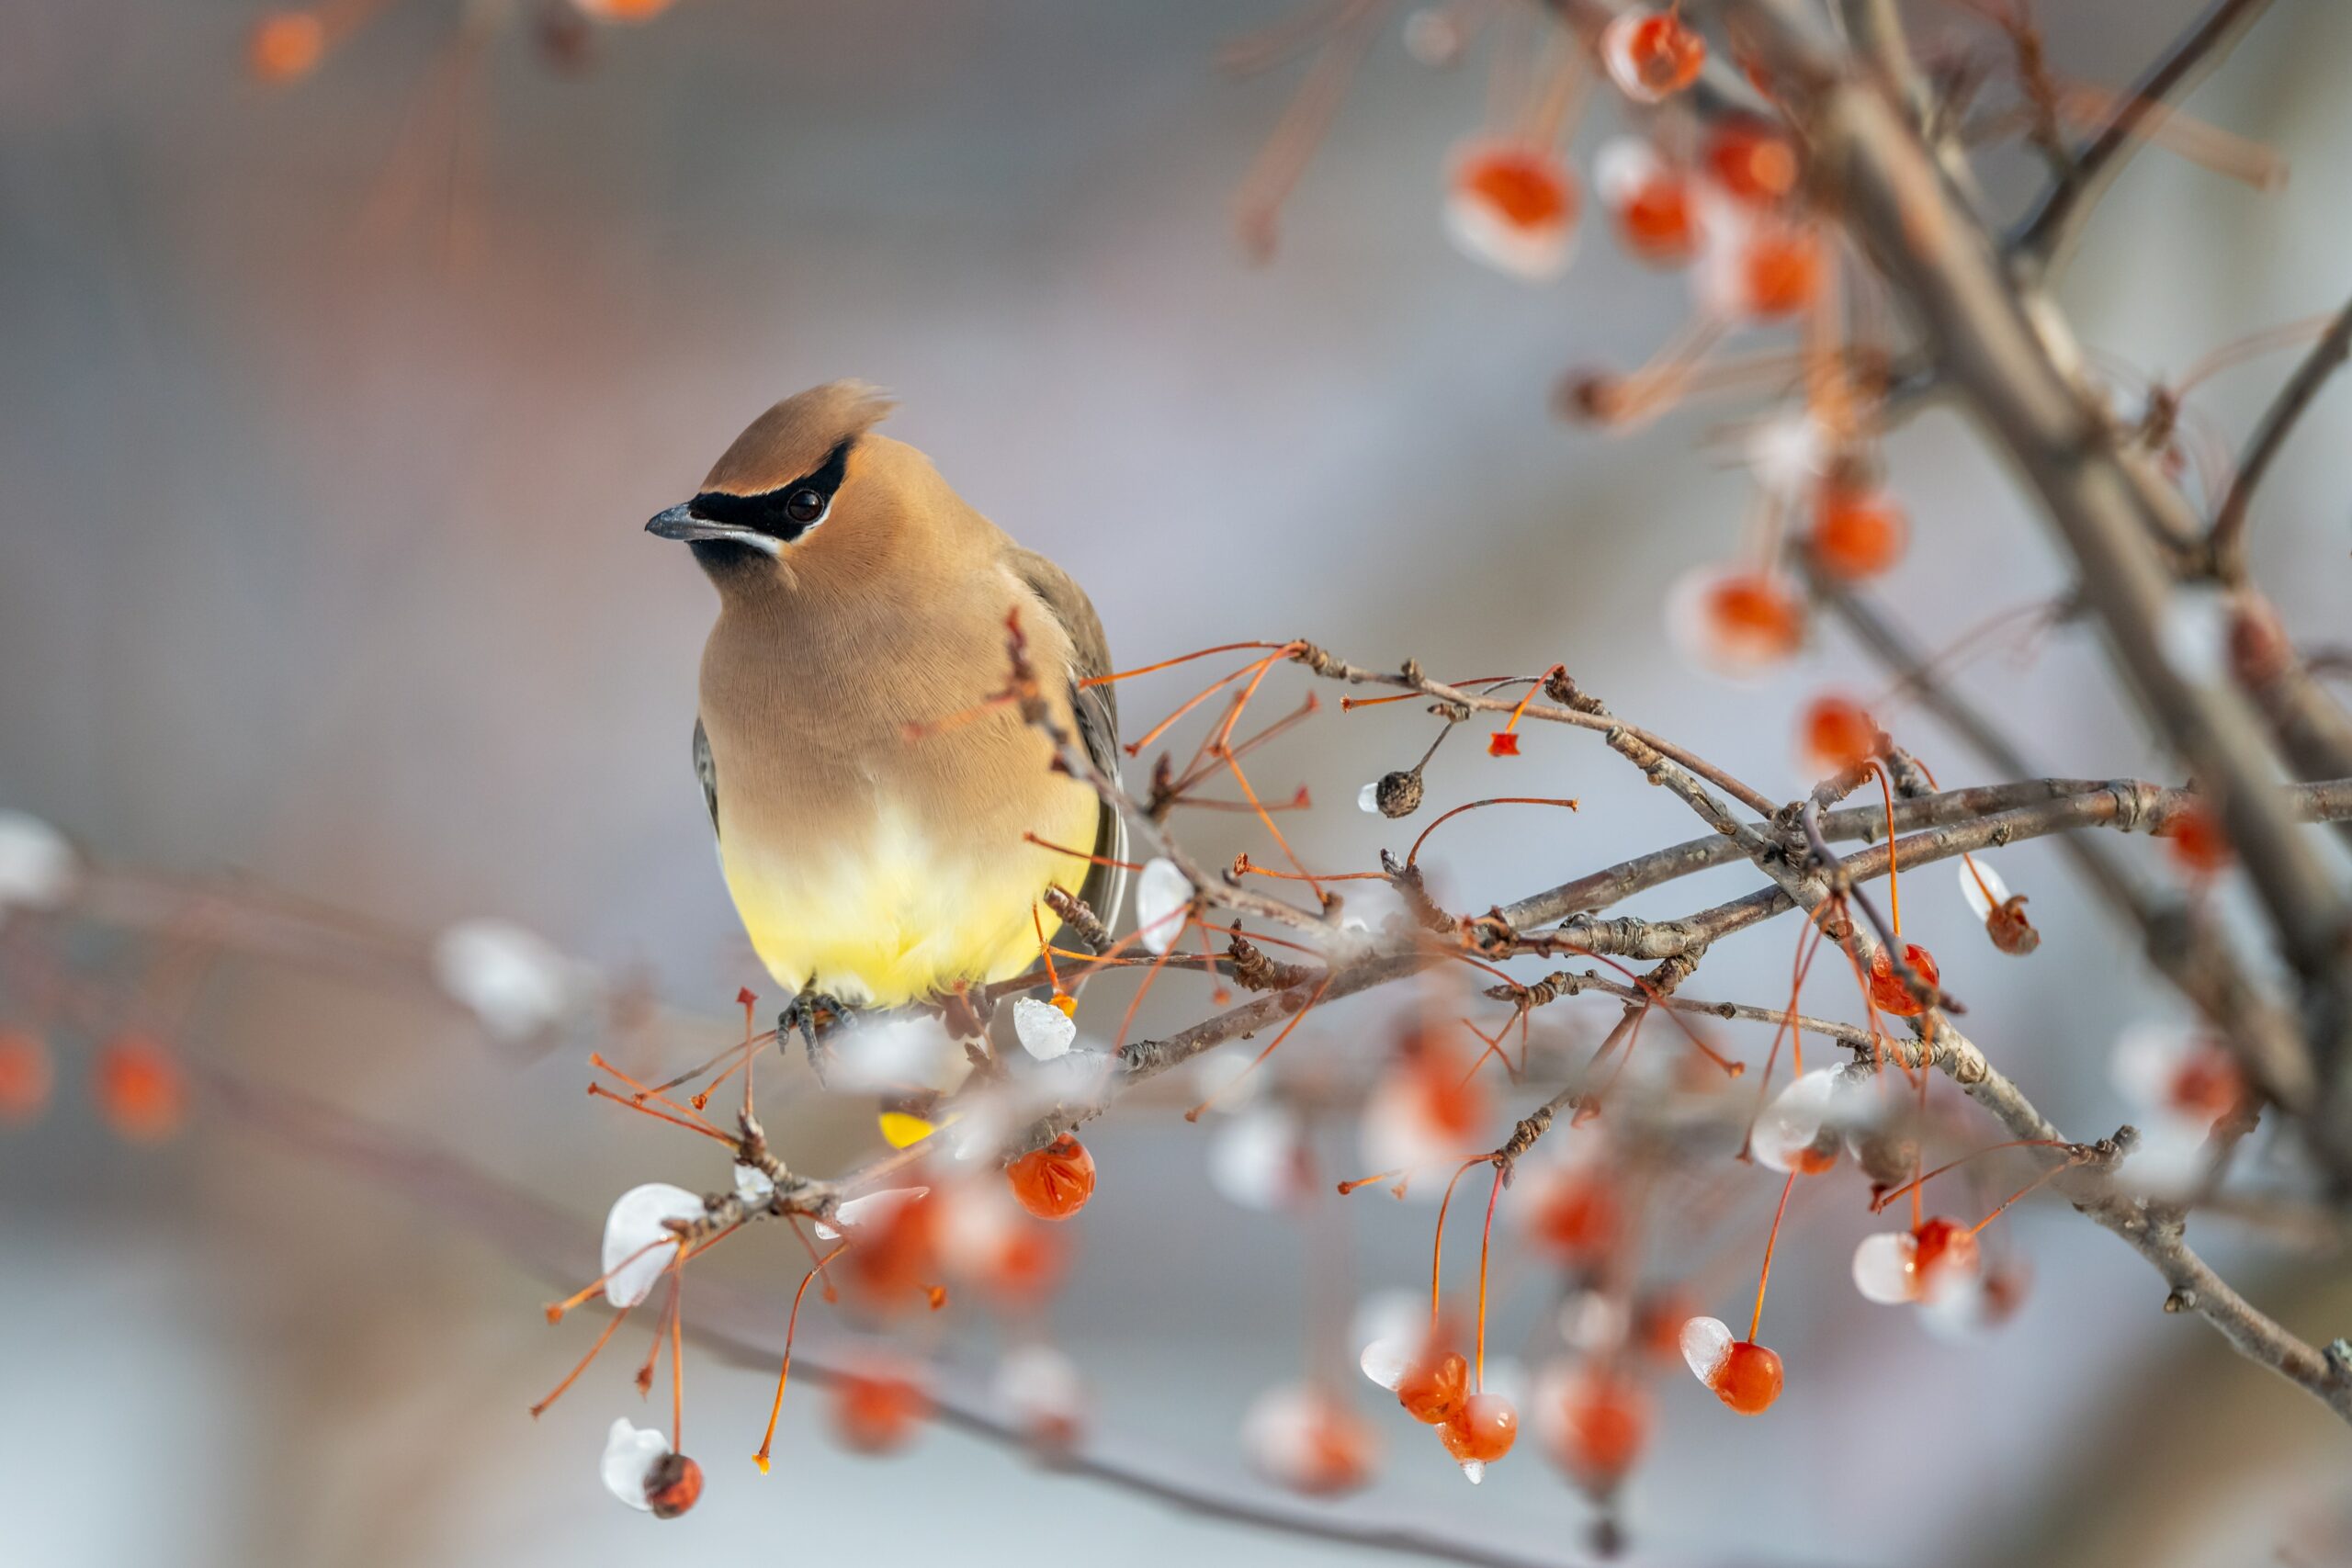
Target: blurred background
(334, 415)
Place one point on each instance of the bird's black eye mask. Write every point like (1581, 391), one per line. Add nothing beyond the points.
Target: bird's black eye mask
(784, 513)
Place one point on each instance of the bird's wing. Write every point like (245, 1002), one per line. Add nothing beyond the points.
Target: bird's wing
(1098, 717)
(709, 774)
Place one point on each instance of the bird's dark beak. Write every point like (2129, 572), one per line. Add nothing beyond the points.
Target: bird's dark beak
(680, 523)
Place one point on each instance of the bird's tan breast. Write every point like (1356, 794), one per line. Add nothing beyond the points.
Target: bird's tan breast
(873, 809)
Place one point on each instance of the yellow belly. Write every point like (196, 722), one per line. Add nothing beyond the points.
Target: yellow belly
(902, 916)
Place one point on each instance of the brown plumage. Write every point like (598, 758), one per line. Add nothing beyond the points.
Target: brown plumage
(860, 595)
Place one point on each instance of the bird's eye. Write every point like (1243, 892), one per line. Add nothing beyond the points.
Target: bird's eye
(805, 506)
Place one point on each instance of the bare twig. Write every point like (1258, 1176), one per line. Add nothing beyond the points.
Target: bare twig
(2226, 543)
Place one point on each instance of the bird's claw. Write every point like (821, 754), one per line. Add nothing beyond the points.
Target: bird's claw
(804, 1015)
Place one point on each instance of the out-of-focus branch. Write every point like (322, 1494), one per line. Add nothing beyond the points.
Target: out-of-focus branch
(2226, 543)
(543, 1240)
(2041, 237)
(2009, 359)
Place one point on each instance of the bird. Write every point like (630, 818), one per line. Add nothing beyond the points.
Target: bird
(878, 810)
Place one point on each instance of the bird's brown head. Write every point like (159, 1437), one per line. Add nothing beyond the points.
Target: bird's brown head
(807, 494)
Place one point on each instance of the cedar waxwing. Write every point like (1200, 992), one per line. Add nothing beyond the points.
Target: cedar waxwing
(858, 596)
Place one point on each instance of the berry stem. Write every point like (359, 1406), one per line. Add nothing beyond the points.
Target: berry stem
(1764, 1278)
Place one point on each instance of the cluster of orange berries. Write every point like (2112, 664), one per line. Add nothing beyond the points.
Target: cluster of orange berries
(136, 1082)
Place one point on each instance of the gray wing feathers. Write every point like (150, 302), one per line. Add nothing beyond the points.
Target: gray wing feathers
(1098, 717)
(709, 775)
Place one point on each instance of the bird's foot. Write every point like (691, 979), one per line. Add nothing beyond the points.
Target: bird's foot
(811, 1013)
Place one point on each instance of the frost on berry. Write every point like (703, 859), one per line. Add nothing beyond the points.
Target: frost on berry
(1651, 53)
(1163, 895)
(1788, 452)
(1743, 1374)
(1513, 207)
(2003, 912)
(640, 1470)
(1921, 1266)
(986, 1240)
(1757, 267)
(1045, 1031)
(1310, 1441)
(2179, 1081)
(1651, 202)
(1427, 1105)
(1978, 1302)
(1803, 1127)
(38, 870)
(514, 981)
(639, 1243)
(1042, 1391)
(1259, 1159)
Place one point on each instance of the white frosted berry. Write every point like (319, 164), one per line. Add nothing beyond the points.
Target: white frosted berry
(638, 1245)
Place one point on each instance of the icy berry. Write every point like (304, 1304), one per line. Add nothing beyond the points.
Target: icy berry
(1650, 200)
(1651, 54)
(1481, 1433)
(1054, 1182)
(1744, 1374)
(1595, 1421)
(1513, 207)
(1434, 1385)
(674, 1485)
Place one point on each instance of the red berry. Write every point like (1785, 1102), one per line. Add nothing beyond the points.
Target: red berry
(1604, 1419)
(1857, 533)
(2195, 837)
(142, 1090)
(1054, 1182)
(878, 1412)
(1752, 161)
(1888, 989)
(1838, 735)
(26, 1076)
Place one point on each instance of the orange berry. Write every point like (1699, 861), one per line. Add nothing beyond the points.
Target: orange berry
(674, 1486)
(1939, 1246)
(1857, 533)
(1603, 1424)
(287, 45)
(894, 1257)
(1651, 54)
(2207, 1084)
(1888, 989)
(1780, 270)
(2011, 933)
(142, 1090)
(1752, 161)
(1432, 1389)
(1750, 1379)
(26, 1076)
(1503, 743)
(1514, 205)
(2195, 837)
(1838, 735)
(1754, 618)
(1484, 1430)
(1574, 1216)
(1656, 220)
(878, 1412)
(1054, 1182)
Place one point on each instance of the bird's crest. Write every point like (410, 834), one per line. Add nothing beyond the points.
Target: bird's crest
(794, 438)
